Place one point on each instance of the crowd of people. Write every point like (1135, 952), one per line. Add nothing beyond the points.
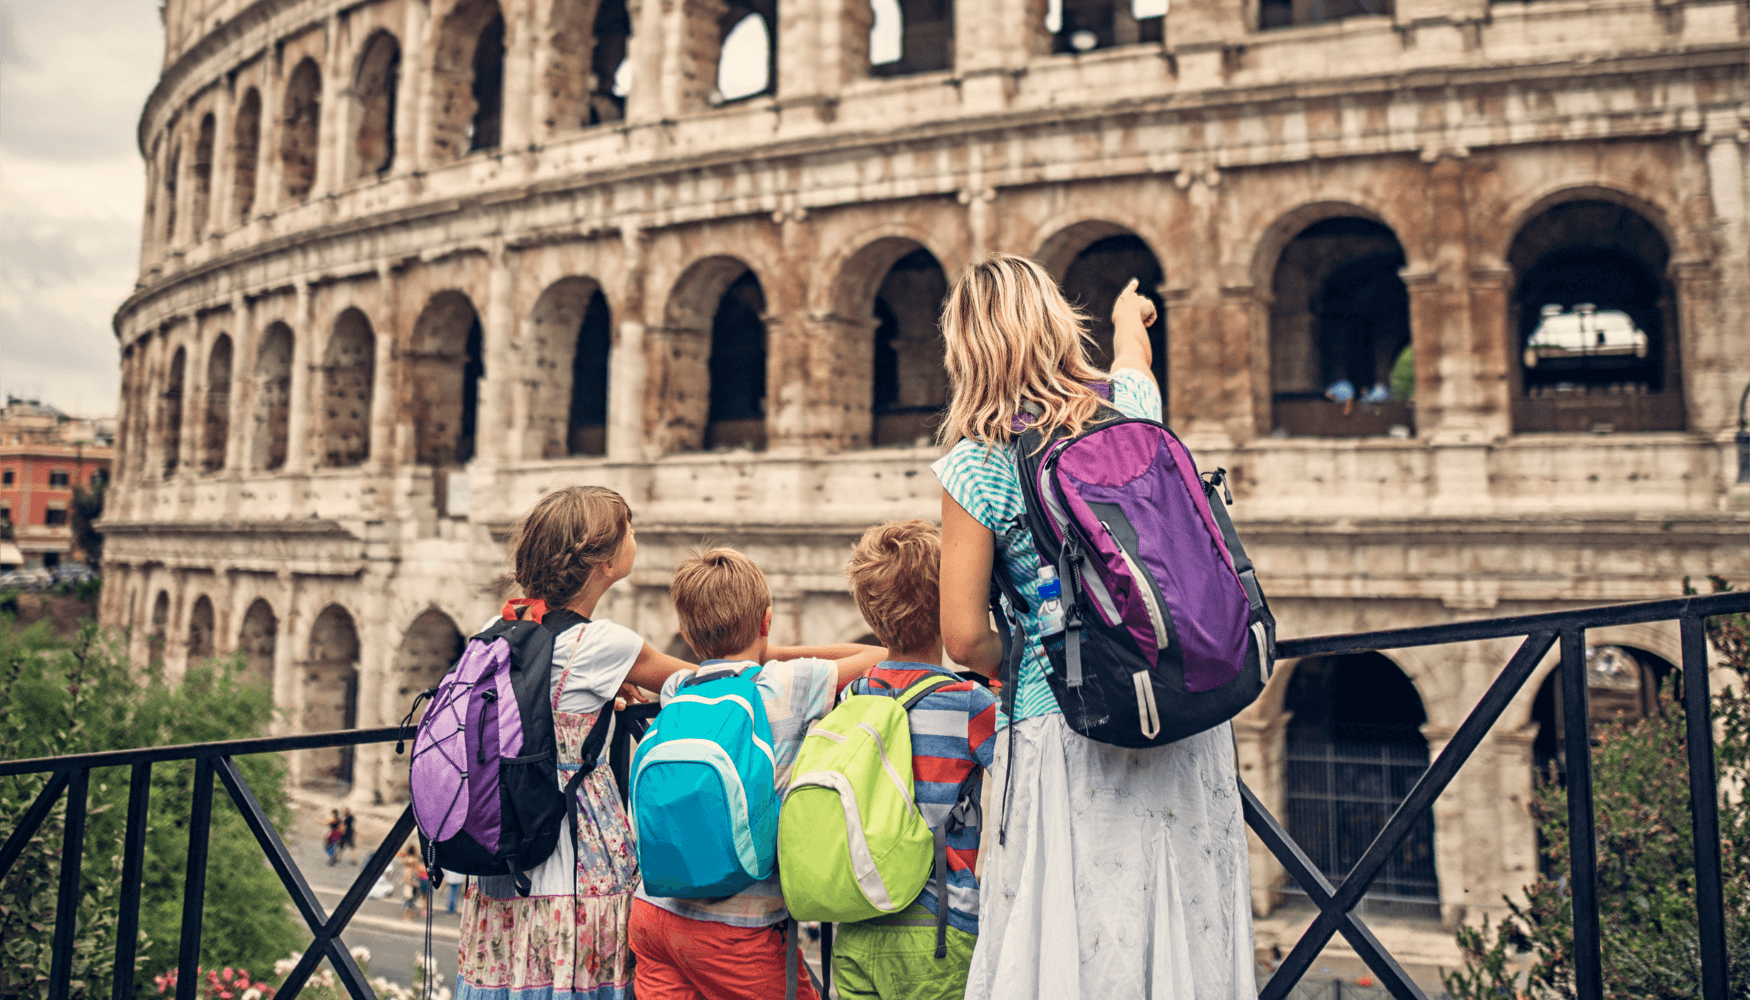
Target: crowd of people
(1100, 873)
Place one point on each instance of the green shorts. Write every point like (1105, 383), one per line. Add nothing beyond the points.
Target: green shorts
(895, 959)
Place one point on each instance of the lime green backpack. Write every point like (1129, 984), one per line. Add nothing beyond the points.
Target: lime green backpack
(852, 844)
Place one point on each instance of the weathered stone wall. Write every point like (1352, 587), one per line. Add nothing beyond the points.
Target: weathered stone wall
(380, 331)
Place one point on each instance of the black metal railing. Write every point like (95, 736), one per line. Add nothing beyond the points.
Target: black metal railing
(71, 776)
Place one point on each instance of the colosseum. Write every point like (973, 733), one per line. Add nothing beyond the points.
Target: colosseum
(1455, 290)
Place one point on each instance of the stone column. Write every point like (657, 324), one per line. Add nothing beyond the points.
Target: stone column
(1716, 377)
(1260, 743)
(517, 121)
(410, 151)
(332, 127)
(1452, 834)
(492, 424)
(645, 101)
(825, 391)
(194, 405)
(692, 42)
(384, 377)
(299, 424)
(1514, 826)
(627, 370)
(994, 40)
(677, 395)
(821, 46)
(1214, 333)
(242, 372)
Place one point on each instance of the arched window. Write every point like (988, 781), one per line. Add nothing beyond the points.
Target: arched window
(1096, 276)
(217, 426)
(273, 397)
(1624, 684)
(1596, 319)
(428, 650)
(330, 697)
(298, 130)
(1354, 751)
(589, 74)
(171, 421)
(377, 86)
(747, 65)
(245, 148)
(573, 333)
(911, 386)
(1340, 357)
(172, 175)
(348, 375)
(468, 80)
(446, 371)
(202, 170)
(200, 630)
(911, 36)
(257, 641)
(737, 416)
(160, 627)
(1078, 26)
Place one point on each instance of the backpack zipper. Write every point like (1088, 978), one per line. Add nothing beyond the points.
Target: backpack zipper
(488, 697)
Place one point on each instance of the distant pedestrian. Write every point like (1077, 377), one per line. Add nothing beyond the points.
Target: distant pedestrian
(331, 843)
(456, 883)
(416, 884)
(348, 841)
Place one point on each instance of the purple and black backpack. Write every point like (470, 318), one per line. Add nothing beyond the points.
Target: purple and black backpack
(485, 758)
(1166, 633)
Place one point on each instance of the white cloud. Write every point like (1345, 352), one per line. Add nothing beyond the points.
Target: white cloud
(71, 188)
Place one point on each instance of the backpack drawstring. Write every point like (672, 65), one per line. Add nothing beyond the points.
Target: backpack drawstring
(412, 713)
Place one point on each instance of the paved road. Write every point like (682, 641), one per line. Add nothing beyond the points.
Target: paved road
(379, 925)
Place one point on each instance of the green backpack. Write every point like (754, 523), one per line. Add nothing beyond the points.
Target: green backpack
(852, 844)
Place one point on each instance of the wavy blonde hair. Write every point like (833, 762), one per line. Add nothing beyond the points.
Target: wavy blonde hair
(1013, 339)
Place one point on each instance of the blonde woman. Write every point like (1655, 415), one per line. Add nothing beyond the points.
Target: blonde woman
(1121, 873)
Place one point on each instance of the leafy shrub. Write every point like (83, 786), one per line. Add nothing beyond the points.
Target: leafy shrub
(80, 695)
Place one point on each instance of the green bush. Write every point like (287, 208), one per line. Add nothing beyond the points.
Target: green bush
(80, 695)
(1646, 860)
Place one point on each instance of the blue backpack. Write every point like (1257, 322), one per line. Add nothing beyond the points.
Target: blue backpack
(704, 789)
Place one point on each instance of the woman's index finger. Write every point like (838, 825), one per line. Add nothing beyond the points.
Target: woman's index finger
(1131, 287)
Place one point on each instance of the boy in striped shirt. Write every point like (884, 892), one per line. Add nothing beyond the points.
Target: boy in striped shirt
(893, 573)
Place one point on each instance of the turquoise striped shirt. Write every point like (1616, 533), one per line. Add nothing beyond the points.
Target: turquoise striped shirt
(982, 480)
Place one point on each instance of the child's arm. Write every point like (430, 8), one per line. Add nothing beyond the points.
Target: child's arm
(651, 669)
(857, 664)
(853, 658)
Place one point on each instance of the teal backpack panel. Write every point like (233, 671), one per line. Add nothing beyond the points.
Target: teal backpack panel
(704, 790)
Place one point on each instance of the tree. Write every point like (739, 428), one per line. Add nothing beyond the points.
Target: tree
(1646, 859)
(87, 508)
(80, 695)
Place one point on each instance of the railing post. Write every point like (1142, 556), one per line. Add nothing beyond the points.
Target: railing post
(127, 925)
(1582, 840)
(1704, 809)
(67, 902)
(194, 886)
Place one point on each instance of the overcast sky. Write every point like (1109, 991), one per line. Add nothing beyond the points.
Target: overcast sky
(74, 75)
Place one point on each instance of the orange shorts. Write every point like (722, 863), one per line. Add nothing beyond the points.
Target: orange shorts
(684, 959)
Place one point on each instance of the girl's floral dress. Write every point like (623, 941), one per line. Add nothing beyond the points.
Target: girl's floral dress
(553, 945)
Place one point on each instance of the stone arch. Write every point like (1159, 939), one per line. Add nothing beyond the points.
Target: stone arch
(273, 397)
(245, 152)
(376, 88)
(572, 338)
(216, 428)
(257, 641)
(1354, 748)
(158, 631)
(447, 365)
(1595, 318)
(586, 75)
(299, 124)
(1339, 320)
(202, 172)
(1093, 260)
(330, 697)
(429, 648)
(715, 381)
(744, 28)
(1624, 683)
(200, 630)
(172, 175)
(895, 286)
(468, 79)
(923, 31)
(170, 423)
(348, 377)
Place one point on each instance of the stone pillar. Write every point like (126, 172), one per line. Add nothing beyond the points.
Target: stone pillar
(645, 101)
(1452, 833)
(242, 379)
(517, 121)
(1260, 743)
(1517, 846)
(384, 377)
(627, 370)
(1214, 333)
(299, 424)
(152, 454)
(332, 127)
(410, 138)
(822, 45)
(994, 40)
(825, 396)
(378, 641)
(194, 405)
(692, 42)
(498, 320)
(1717, 375)
(677, 395)
(1199, 33)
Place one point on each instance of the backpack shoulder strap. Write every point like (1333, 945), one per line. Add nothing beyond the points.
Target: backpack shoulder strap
(917, 692)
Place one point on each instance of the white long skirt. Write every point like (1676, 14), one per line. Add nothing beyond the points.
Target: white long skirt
(1124, 876)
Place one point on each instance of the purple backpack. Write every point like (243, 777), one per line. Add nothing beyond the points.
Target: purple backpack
(485, 760)
(1165, 632)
